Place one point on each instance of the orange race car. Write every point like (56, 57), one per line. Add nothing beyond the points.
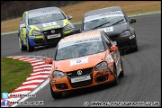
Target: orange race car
(83, 60)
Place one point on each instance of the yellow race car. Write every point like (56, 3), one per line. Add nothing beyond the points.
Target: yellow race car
(43, 26)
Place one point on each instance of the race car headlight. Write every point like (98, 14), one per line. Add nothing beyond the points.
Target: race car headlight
(35, 32)
(32, 37)
(125, 33)
(68, 27)
(101, 66)
(58, 74)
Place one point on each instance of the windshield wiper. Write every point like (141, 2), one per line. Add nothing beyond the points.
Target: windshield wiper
(101, 25)
(116, 22)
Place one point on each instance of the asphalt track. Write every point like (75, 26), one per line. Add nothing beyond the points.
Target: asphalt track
(142, 81)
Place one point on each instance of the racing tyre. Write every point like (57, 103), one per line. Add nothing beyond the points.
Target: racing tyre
(136, 46)
(116, 81)
(122, 51)
(54, 94)
(29, 47)
(22, 47)
(122, 72)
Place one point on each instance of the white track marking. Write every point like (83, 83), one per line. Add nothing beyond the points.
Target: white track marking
(33, 81)
(37, 73)
(37, 76)
(27, 86)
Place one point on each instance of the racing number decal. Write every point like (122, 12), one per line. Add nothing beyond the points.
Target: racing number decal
(49, 24)
(109, 29)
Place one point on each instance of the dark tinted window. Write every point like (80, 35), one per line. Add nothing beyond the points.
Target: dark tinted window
(103, 19)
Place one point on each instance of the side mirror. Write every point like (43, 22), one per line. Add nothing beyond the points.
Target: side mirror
(113, 48)
(48, 61)
(70, 17)
(132, 21)
(22, 25)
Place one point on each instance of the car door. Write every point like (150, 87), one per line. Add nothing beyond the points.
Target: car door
(115, 54)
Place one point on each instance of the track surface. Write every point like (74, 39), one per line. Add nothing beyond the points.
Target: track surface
(142, 81)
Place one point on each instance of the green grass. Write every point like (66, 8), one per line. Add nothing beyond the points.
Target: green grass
(13, 73)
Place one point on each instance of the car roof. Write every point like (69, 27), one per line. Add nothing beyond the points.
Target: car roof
(40, 11)
(103, 10)
(81, 36)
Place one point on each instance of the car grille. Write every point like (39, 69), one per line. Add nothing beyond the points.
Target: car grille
(84, 72)
(114, 38)
(48, 32)
(82, 83)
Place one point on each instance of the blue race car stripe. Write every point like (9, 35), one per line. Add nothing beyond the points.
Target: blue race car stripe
(28, 30)
(31, 41)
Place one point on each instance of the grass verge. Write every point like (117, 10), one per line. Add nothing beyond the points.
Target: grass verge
(13, 73)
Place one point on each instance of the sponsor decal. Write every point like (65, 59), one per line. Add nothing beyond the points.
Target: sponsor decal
(79, 42)
(51, 27)
(103, 15)
(39, 14)
(79, 61)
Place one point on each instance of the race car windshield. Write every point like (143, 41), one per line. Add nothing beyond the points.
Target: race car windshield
(79, 50)
(103, 22)
(46, 18)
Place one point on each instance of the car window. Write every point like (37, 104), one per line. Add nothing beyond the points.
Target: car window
(80, 48)
(45, 18)
(103, 19)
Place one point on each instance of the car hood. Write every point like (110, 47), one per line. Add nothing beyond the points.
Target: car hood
(116, 29)
(79, 63)
(47, 26)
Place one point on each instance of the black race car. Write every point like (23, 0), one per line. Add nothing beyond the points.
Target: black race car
(115, 23)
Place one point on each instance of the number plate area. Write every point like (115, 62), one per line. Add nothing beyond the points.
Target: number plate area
(53, 36)
(81, 78)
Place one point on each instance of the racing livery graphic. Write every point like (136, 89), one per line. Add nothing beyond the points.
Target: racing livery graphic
(43, 26)
(83, 60)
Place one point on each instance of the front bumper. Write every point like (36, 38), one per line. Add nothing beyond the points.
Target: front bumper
(96, 78)
(43, 40)
(125, 42)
